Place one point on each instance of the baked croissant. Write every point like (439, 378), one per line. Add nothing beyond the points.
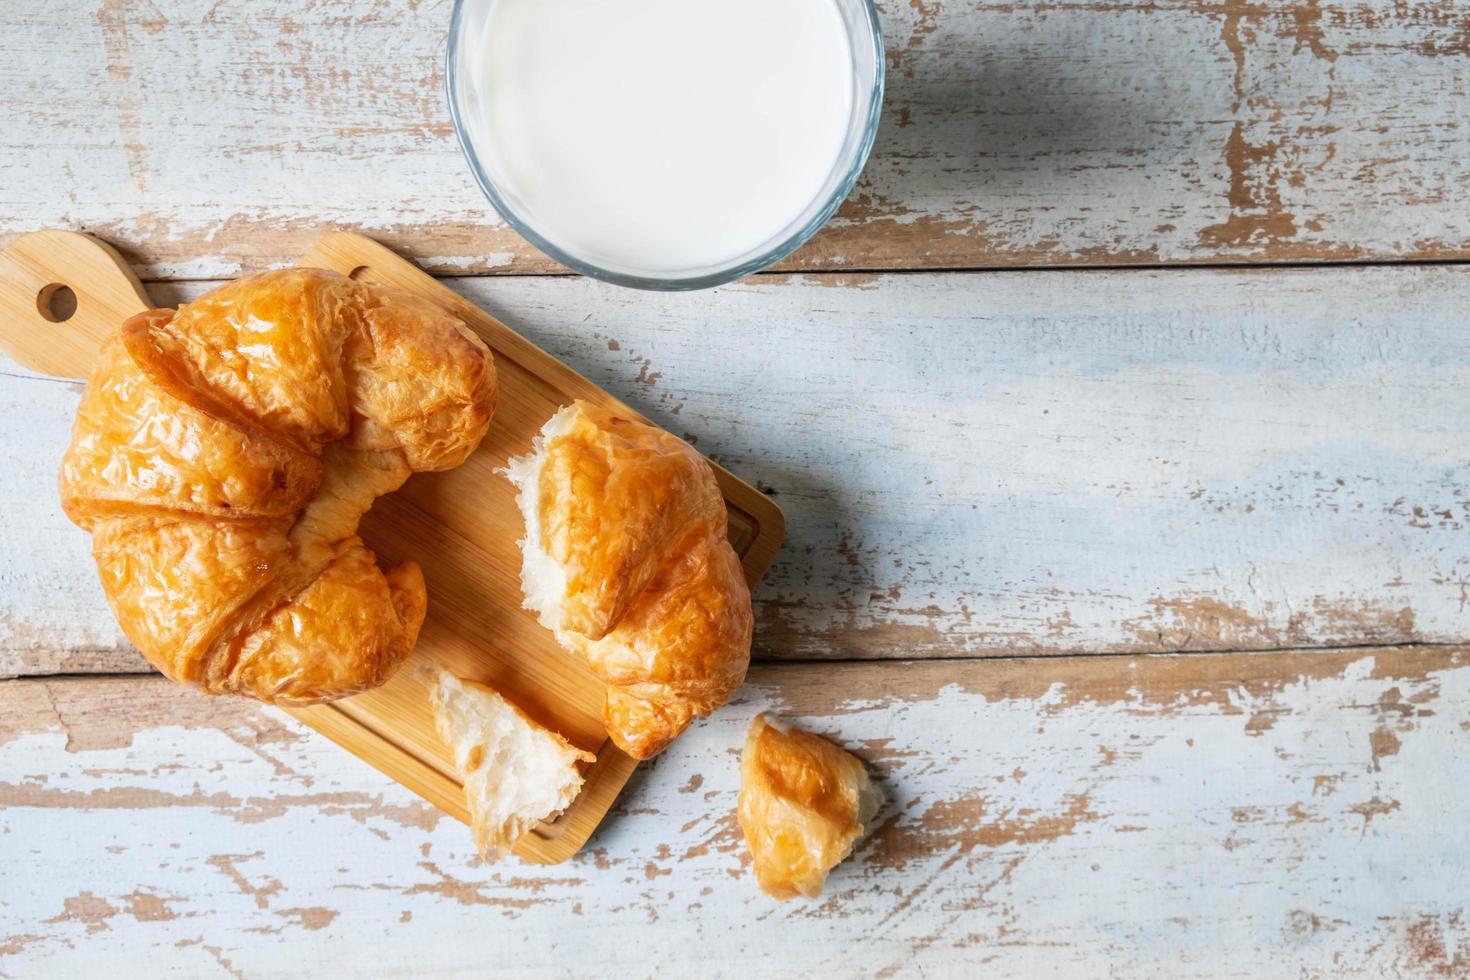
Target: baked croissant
(223, 454)
(516, 773)
(804, 804)
(627, 559)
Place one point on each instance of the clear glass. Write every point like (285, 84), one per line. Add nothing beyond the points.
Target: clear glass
(866, 42)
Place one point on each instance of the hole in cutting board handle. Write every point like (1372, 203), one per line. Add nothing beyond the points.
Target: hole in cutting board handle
(365, 273)
(56, 303)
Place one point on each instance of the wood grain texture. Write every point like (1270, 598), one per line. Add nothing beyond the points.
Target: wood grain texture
(1210, 815)
(989, 464)
(1051, 132)
(456, 526)
(34, 269)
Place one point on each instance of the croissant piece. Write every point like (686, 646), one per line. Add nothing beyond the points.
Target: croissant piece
(627, 559)
(224, 453)
(516, 773)
(804, 804)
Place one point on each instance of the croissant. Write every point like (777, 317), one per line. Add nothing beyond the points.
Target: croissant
(516, 773)
(627, 560)
(804, 804)
(223, 454)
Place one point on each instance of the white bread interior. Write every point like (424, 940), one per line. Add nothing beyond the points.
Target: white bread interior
(516, 773)
(543, 581)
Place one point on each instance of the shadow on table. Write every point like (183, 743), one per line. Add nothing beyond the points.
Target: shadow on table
(993, 130)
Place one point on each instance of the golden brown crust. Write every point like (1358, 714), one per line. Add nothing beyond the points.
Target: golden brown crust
(616, 498)
(344, 633)
(177, 584)
(804, 803)
(654, 596)
(269, 349)
(224, 454)
(135, 449)
(680, 651)
(419, 380)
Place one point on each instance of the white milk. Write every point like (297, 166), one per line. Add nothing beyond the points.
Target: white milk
(656, 136)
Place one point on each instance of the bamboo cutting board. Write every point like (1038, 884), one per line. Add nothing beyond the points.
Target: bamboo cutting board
(461, 526)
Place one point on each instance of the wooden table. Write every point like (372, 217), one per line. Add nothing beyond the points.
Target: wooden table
(1123, 453)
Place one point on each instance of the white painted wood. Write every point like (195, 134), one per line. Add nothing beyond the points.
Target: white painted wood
(1201, 816)
(985, 464)
(212, 136)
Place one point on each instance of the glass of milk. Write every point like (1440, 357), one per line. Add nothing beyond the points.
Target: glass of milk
(666, 144)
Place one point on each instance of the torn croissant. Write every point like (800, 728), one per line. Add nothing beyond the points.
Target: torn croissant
(516, 773)
(804, 805)
(627, 559)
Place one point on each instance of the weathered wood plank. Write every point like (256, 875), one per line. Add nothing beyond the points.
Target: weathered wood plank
(1209, 815)
(985, 464)
(1077, 132)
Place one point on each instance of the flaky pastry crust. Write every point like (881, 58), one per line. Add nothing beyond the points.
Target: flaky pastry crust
(627, 558)
(224, 453)
(804, 804)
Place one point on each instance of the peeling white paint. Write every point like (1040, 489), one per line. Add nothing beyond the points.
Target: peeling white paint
(1091, 131)
(993, 463)
(1023, 836)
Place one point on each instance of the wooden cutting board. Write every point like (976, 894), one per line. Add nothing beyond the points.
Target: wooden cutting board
(461, 526)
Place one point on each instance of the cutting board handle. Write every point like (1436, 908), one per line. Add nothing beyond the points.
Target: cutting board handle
(39, 325)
